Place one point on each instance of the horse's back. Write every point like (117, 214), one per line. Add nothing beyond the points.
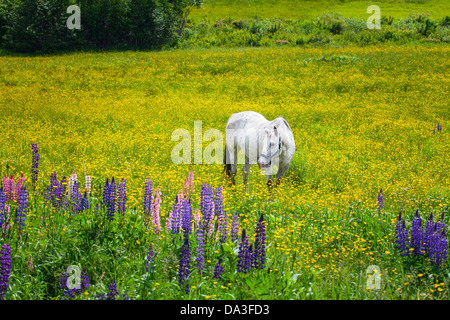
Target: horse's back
(244, 119)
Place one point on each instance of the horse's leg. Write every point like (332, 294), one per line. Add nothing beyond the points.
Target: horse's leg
(269, 183)
(246, 172)
(233, 162)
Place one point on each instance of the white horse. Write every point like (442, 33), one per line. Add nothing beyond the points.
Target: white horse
(270, 144)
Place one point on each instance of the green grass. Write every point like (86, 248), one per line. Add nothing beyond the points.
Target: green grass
(300, 9)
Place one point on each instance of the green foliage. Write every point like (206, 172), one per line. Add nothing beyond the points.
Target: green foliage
(40, 26)
(332, 22)
(445, 22)
(329, 28)
(420, 23)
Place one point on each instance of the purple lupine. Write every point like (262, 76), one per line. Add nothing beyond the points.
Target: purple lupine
(75, 198)
(218, 201)
(171, 220)
(218, 209)
(2, 206)
(148, 197)
(401, 235)
(122, 197)
(177, 213)
(243, 248)
(97, 209)
(416, 234)
(439, 127)
(5, 269)
(186, 217)
(85, 202)
(429, 229)
(71, 293)
(200, 249)
(22, 208)
(113, 293)
(441, 248)
(184, 268)
(53, 189)
(112, 200)
(150, 255)
(260, 244)
(234, 228)
(35, 165)
(207, 204)
(380, 199)
(218, 270)
(438, 244)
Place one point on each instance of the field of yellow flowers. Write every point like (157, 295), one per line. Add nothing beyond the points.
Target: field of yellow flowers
(364, 119)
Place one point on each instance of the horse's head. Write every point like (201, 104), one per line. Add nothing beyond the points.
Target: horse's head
(271, 148)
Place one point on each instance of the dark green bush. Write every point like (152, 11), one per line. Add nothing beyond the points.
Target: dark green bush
(445, 22)
(40, 25)
(332, 22)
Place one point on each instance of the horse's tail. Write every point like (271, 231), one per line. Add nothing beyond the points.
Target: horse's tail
(226, 166)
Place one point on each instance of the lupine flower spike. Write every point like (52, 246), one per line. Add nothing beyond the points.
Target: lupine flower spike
(200, 249)
(218, 270)
(242, 266)
(155, 210)
(401, 236)
(35, 165)
(417, 234)
(380, 199)
(260, 244)
(22, 209)
(5, 269)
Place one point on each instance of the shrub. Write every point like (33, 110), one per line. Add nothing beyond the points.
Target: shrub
(445, 22)
(332, 22)
(40, 25)
(420, 23)
(387, 20)
(239, 24)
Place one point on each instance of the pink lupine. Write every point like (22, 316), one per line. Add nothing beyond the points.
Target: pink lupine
(155, 210)
(197, 218)
(72, 179)
(19, 184)
(189, 183)
(87, 184)
(12, 189)
(6, 185)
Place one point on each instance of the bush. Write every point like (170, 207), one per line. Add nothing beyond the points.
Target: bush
(332, 22)
(40, 25)
(445, 22)
(420, 23)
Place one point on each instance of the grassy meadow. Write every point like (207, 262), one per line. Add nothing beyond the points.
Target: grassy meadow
(212, 10)
(364, 118)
